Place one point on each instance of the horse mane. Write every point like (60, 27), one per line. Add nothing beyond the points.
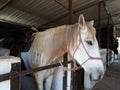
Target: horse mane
(91, 30)
(55, 41)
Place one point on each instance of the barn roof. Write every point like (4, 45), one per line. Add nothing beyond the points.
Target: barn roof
(42, 13)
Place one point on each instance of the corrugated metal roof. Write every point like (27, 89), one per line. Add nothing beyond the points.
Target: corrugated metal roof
(55, 12)
(114, 8)
(37, 12)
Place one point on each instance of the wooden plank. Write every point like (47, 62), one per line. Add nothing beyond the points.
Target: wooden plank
(65, 72)
(30, 71)
(15, 82)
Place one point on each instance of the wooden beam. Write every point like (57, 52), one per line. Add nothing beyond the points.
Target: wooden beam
(74, 11)
(4, 3)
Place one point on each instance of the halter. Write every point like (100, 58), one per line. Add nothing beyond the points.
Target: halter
(89, 56)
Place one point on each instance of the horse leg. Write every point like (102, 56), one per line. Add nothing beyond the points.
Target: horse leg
(48, 82)
(39, 76)
(57, 83)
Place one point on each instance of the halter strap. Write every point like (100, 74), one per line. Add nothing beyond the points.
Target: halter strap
(89, 57)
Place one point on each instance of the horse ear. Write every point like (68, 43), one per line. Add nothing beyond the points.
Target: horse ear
(81, 20)
(92, 22)
(2, 39)
(34, 28)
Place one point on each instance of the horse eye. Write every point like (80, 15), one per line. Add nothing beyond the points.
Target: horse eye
(89, 42)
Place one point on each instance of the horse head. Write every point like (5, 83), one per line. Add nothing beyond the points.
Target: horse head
(86, 50)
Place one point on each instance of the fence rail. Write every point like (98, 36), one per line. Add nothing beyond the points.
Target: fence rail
(14, 74)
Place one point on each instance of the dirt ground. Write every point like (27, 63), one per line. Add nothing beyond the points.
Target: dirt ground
(111, 79)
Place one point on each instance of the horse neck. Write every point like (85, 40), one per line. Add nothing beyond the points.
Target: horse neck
(55, 43)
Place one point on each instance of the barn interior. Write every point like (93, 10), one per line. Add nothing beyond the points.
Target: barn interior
(17, 17)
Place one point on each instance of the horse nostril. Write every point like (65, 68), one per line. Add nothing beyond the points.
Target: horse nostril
(90, 77)
(100, 76)
(95, 79)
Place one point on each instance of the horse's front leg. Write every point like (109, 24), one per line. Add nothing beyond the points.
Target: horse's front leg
(48, 82)
(40, 76)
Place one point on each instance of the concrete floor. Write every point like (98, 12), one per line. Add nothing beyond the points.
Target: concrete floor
(111, 80)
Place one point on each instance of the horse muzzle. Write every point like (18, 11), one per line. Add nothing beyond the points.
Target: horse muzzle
(96, 77)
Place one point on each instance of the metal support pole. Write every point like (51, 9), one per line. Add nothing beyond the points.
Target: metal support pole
(75, 11)
(70, 11)
(108, 40)
(99, 23)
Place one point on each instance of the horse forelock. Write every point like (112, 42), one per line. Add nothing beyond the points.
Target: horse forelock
(54, 42)
(91, 30)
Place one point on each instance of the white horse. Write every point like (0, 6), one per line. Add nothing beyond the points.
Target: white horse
(77, 40)
(88, 84)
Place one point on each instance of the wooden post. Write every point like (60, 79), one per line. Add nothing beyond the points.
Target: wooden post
(65, 56)
(65, 73)
(15, 82)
